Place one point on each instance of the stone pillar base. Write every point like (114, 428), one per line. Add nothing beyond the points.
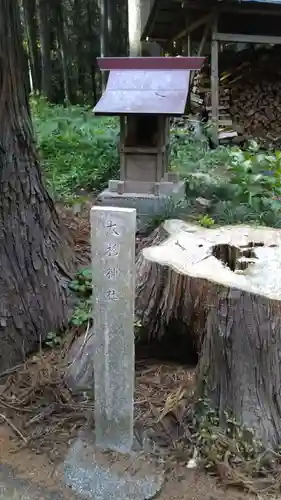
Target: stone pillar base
(105, 475)
(148, 205)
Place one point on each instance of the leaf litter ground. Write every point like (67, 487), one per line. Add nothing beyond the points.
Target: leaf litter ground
(44, 416)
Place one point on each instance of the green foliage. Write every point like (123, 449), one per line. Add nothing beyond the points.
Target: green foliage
(173, 210)
(232, 451)
(53, 339)
(79, 154)
(190, 155)
(78, 151)
(255, 175)
(241, 186)
(215, 439)
(206, 221)
(82, 286)
(82, 313)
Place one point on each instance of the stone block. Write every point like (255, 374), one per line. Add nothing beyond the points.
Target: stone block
(113, 264)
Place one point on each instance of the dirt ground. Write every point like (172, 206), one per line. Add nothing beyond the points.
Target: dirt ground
(46, 417)
(181, 483)
(43, 419)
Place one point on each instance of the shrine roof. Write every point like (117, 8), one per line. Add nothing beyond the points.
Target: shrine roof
(146, 85)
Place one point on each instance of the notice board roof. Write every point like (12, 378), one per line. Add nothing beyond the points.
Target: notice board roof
(146, 85)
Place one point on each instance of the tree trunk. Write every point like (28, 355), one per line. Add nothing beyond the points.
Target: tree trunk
(103, 28)
(103, 35)
(135, 26)
(93, 43)
(45, 42)
(31, 26)
(167, 301)
(111, 11)
(79, 39)
(239, 369)
(63, 50)
(35, 259)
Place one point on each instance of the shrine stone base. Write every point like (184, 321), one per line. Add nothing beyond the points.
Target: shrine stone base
(147, 205)
(93, 473)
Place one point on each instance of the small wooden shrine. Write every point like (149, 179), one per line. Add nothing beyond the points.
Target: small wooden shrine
(144, 92)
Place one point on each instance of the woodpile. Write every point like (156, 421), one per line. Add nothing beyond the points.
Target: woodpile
(202, 88)
(249, 93)
(258, 110)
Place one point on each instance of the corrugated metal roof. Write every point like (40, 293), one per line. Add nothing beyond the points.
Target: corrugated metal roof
(146, 85)
(144, 92)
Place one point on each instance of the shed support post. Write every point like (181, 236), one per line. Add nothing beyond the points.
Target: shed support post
(215, 81)
(186, 37)
(204, 39)
(189, 45)
(122, 144)
(201, 46)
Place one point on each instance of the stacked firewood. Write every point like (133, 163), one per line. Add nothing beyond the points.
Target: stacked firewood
(249, 93)
(201, 87)
(257, 108)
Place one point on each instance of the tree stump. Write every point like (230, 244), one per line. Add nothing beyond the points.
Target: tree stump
(166, 300)
(239, 369)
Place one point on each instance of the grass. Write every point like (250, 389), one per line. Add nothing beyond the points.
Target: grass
(189, 155)
(78, 151)
(79, 155)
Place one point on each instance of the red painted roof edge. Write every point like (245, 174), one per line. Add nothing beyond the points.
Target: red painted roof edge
(150, 63)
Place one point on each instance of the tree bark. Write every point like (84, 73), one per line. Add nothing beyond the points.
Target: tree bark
(35, 259)
(135, 26)
(93, 45)
(63, 50)
(80, 70)
(111, 11)
(45, 42)
(103, 36)
(239, 370)
(31, 27)
(167, 301)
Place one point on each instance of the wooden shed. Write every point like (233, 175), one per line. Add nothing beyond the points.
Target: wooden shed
(209, 24)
